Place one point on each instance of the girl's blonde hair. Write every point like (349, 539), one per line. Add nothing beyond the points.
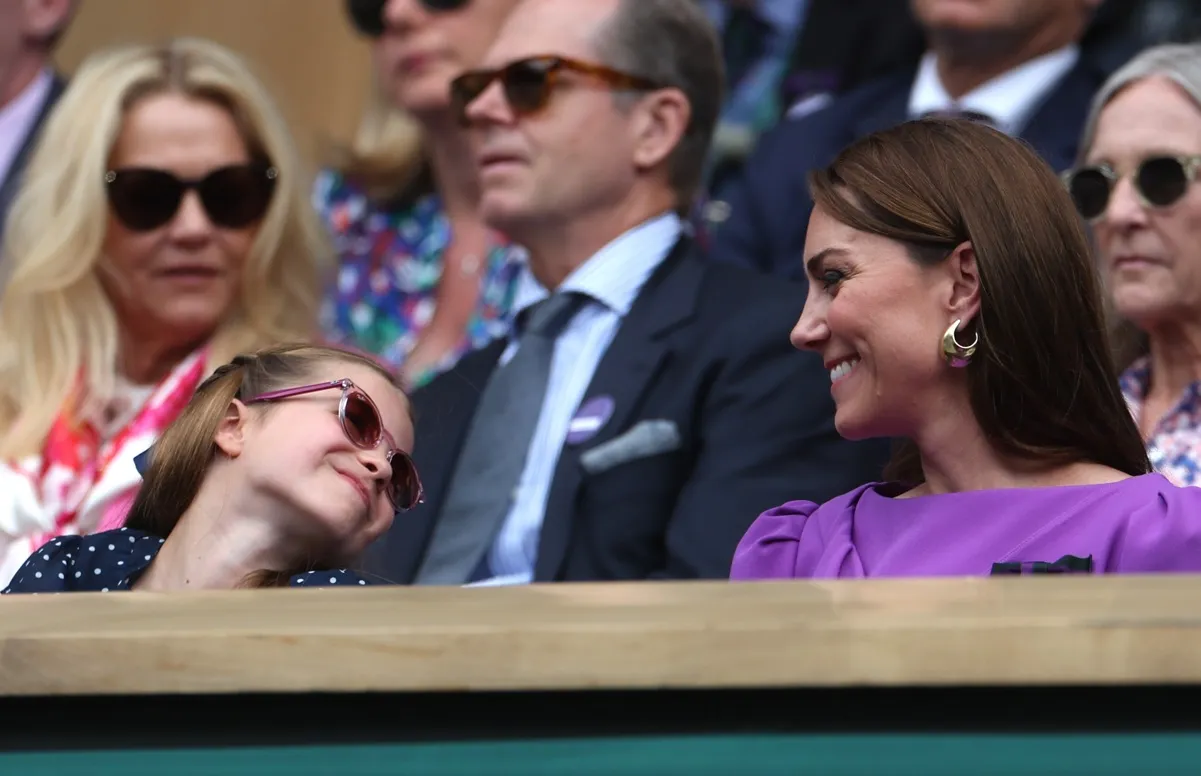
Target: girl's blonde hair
(57, 325)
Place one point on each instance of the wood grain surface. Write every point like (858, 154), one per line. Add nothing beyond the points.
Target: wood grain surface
(1100, 630)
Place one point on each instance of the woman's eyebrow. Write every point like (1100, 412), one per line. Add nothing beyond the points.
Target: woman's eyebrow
(815, 261)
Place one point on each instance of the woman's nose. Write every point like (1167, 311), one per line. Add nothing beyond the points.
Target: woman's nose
(1125, 207)
(810, 330)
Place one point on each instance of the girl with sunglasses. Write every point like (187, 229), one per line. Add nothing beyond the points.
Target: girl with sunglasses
(280, 471)
(421, 281)
(1136, 185)
(163, 226)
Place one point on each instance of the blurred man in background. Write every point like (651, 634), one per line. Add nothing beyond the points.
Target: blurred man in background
(29, 85)
(1023, 66)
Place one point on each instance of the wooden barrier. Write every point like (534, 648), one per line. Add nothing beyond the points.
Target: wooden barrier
(1072, 630)
(694, 678)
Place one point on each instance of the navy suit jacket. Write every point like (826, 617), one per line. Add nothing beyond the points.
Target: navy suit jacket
(705, 347)
(769, 206)
(12, 180)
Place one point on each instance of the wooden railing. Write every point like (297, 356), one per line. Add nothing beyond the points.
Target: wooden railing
(1062, 630)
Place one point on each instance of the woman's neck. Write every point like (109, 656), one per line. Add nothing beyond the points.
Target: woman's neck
(452, 162)
(1175, 362)
(218, 542)
(957, 456)
(146, 360)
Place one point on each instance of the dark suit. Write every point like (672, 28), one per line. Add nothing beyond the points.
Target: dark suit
(768, 212)
(705, 347)
(12, 180)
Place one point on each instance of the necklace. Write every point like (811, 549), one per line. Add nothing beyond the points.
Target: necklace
(469, 264)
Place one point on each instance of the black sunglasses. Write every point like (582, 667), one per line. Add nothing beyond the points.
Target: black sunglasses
(1159, 181)
(367, 16)
(234, 197)
(528, 83)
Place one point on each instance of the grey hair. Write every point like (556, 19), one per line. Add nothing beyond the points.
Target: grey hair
(1178, 62)
(673, 43)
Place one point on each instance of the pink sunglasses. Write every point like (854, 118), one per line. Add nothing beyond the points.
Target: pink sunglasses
(364, 428)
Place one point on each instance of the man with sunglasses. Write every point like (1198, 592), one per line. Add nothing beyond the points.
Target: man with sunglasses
(29, 86)
(648, 405)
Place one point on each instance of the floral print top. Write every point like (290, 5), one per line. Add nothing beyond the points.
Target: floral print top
(1175, 446)
(389, 265)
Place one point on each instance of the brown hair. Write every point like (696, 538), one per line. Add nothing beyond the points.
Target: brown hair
(672, 42)
(1042, 384)
(182, 454)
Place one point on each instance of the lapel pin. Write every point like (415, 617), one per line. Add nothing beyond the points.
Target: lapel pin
(589, 419)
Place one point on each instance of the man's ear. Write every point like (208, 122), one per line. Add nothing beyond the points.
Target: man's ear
(663, 118)
(231, 433)
(963, 302)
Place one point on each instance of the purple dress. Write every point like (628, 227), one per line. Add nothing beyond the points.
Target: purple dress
(1138, 525)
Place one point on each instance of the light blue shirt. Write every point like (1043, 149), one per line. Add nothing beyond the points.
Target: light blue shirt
(611, 279)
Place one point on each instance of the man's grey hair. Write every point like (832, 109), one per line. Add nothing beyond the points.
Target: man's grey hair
(673, 43)
(1180, 63)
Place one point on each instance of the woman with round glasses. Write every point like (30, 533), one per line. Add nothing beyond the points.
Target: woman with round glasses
(421, 280)
(164, 225)
(1136, 185)
(281, 470)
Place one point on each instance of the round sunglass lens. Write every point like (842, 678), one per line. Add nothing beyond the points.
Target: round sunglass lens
(404, 482)
(362, 422)
(1090, 192)
(1162, 181)
(367, 16)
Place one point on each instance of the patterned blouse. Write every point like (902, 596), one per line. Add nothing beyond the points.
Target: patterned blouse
(389, 265)
(1175, 446)
(114, 560)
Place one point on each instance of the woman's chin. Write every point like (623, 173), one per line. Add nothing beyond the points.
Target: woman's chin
(852, 428)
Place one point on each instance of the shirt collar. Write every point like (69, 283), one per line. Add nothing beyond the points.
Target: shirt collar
(19, 115)
(615, 274)
(1008, 99)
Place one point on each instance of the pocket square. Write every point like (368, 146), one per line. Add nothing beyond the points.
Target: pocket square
(647, 438)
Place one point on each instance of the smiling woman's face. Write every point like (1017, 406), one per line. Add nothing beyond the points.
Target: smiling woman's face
(1150, 256)
(873, 316)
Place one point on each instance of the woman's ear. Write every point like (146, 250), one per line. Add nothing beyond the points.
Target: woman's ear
(964, 301)
(231, 433)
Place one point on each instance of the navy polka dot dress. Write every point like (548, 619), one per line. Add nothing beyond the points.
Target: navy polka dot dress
(113, 560)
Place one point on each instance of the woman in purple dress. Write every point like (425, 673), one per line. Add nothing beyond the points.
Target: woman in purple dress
(953, 299)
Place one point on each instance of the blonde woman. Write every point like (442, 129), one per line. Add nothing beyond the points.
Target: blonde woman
(163, 226)
(421, 280)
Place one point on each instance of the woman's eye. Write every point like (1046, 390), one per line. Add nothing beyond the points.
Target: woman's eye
(831, 277)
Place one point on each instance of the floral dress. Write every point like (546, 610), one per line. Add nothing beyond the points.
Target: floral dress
(1175, 445)
(389, 265)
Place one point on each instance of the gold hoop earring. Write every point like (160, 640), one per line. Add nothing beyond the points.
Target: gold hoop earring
(958, 356)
